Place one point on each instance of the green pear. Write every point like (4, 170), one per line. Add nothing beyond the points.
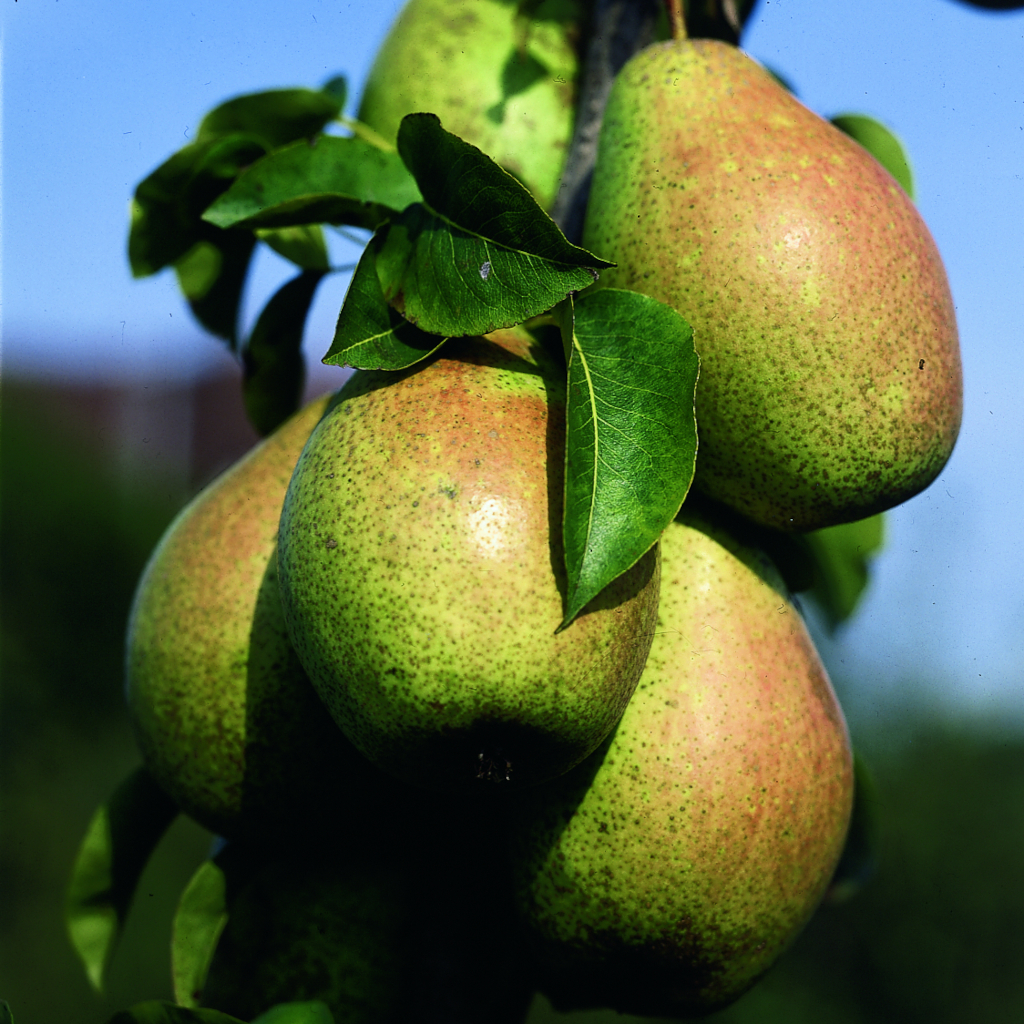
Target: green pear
(407, 923)
(667, 872)
(226, 719)
(309, 923)
(501, 79)
(422, 574)
(830, 383)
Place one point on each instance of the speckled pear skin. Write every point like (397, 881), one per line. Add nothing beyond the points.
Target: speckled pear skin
(226, 719)
(831, 385)
(506, 86)
(667, 872)
(311, 928)
(409, 923)
(422, 574)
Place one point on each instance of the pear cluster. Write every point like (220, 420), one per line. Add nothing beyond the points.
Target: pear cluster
(344, 655)
(645, 807)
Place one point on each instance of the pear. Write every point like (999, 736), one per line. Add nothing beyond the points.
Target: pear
(226, 719)
(423, 581)
(501, 79)
(667, 872)
(310, 923)
(384, 929)
(831, 383)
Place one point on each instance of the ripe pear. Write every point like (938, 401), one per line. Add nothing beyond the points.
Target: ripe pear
(499, 78)
(830, 367)
(423, 580)
(667, 872)
(226, 719)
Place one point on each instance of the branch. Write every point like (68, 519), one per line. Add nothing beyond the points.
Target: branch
(620, 28)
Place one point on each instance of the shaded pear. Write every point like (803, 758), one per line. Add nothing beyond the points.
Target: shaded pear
(667, 872)
(422, 574)
(302, 927)
(398, 918)
(830, 367)
(225, 717)
(500, 77)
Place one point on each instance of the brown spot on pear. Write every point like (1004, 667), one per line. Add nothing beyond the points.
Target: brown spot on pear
(422, 574)
(831, 385)
(664, 875)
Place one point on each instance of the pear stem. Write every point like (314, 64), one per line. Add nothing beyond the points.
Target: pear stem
(366, 133)
(677, 19)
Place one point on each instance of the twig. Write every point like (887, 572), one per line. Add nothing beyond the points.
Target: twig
(620, 28)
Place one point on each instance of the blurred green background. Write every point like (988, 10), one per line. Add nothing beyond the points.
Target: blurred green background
(936, 936)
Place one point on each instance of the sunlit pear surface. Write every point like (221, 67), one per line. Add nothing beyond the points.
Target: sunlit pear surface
(423, 578)
(665, 874)
(830, 384)
(227, 720)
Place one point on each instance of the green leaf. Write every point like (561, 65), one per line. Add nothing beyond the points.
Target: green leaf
(478, 254)
(156, 1012)
(334, 181)
(201, 916)
(631, 434)
(216, 304)
(162, 229)
(118, 842)
(275, 117)
(881, 144)
(370, 335)
(312, 1012)
(304, 245)
(273, 368)
(198, 269)
(337, 86)
(841, 556)
(6, 1017)
(211, 264)
(168, 204)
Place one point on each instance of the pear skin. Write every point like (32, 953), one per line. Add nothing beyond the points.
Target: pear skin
(226, 719)
(501, 80)
(407, 923)
(831, 384)
(422, 574)
(302, 926)
(664, 875)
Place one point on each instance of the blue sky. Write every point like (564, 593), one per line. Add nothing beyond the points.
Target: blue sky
(96, 93)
